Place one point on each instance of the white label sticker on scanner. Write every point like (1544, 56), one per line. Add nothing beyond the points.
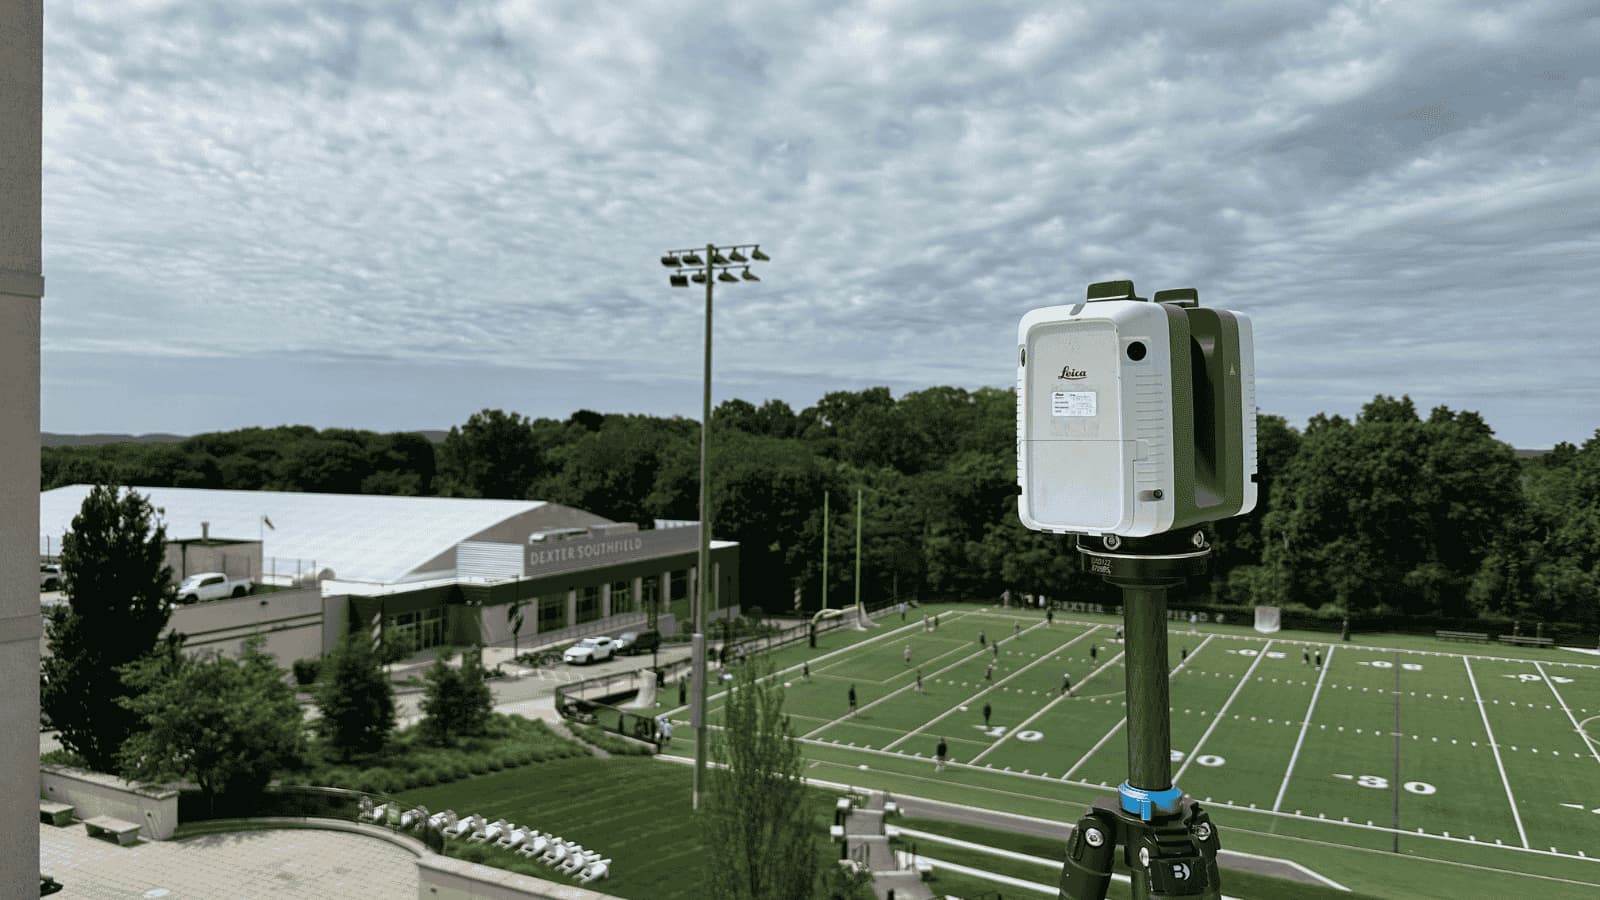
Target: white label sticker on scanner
(1072, 403)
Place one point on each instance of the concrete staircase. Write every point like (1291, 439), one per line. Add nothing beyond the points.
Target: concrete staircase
(866, 842)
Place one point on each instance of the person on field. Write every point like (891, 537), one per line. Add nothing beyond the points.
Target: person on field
(1016, 629)
(1049, 617)
(919, 681)
(1319, 660)
(996, 648)
(939, 754)
(907, 654)
(1185, 653)
(1119, 632)
(664, 726)
(1305, 655)
(1094, 651)
(1193, 620)
(986, 712)
(982, 640)
(1066, 682)
(988, 673)
(935, 621)
(852, 699)
(805, 670)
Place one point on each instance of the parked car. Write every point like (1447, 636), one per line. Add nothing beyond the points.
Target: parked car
(49, 577)
(212, 586)
(631, 642)
(590, 650)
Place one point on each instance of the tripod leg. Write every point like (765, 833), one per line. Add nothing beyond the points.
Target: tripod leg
(1087, 870)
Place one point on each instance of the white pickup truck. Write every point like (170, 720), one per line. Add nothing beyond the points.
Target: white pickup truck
(211, 586)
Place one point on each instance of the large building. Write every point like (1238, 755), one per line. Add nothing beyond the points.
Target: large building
(421, 571)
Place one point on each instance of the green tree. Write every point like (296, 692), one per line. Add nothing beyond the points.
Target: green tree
(494, 454)
(119, 597)
(456, 702)
(441, 699)
(227, 724)
(761, 839)
(355, 699)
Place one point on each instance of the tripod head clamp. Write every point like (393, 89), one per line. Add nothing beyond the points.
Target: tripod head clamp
(1147, 804)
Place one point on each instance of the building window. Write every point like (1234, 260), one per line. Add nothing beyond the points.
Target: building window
(552, 612)
(622, 597)
(417, 630)
(589, 603)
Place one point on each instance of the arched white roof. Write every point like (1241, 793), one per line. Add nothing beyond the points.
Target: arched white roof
(361, 537)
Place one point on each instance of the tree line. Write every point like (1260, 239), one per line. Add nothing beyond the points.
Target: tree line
(1390, 513)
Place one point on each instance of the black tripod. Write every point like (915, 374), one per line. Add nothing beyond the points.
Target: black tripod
(1167, 840)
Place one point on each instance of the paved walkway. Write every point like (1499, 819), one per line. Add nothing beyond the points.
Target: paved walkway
(289, 863)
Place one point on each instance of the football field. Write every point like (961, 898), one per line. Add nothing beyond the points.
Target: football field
(1361, 768)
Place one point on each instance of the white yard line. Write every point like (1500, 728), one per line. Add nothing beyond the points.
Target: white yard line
(830, 654)
(1570, 717)
(1046, 708)
(965, 659)
(1045, 657)
(1484, 712)
(1189, 757)
(1310, 710)
(1124, 720)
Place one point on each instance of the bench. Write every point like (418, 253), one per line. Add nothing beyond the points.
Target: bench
(1478, 636)
(52, 813)
(1525, 641)
(124, 832)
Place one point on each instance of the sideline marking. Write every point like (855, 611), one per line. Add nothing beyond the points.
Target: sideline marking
(1484, 712)
(1043, 657)
(1100, 743)
(1582, 736)
(1310, 710)
(1243, 680)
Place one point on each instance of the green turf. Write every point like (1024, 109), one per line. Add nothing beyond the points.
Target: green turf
(1433, 794)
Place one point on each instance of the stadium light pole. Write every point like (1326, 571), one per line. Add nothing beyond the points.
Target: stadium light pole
(714, 267)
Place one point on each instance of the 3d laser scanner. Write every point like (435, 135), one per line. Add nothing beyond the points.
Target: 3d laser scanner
(1134, 418)
(1135, 426)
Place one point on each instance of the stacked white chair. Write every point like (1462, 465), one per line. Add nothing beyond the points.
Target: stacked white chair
(413, 816)
(513, 839)
(375, 813)
(579, 861)
(595, 871)
(491, 832)
(536, 844)
(442, 820)
(464, 827)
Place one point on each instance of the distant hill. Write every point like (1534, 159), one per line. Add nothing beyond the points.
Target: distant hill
(49, 439)
(78, 440)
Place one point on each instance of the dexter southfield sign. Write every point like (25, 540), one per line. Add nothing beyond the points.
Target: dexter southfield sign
(550, 557)
(565, 551)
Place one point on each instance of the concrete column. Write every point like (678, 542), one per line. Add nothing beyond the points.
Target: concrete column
(605, 600)
(572, 607)
(21, 287)
(638, 594)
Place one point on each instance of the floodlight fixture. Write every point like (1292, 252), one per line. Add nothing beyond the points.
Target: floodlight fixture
(680, 281)
(693, 259)
(671, 261)
(748, 275)
(727, 276)
(718, 259)
(736, 256)
(758, 256)
(699, 277)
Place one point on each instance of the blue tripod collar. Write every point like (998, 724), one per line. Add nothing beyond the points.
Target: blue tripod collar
(1146, 804)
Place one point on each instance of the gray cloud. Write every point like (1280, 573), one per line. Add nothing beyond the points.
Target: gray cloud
(1403, 196)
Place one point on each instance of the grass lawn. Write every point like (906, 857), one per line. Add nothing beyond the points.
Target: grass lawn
(636, 811)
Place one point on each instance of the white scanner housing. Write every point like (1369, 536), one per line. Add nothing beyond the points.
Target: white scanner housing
(1134, 418)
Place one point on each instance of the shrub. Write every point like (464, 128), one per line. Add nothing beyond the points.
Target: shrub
(306, 671)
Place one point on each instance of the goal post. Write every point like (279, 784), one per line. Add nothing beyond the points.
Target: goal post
(1268, 619)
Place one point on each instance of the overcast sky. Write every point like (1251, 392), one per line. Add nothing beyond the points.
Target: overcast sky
(389, 215)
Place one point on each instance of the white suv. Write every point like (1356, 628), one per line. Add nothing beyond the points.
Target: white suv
(590, 650)
(49, 577)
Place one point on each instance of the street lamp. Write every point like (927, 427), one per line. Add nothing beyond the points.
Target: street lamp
(708, 270)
